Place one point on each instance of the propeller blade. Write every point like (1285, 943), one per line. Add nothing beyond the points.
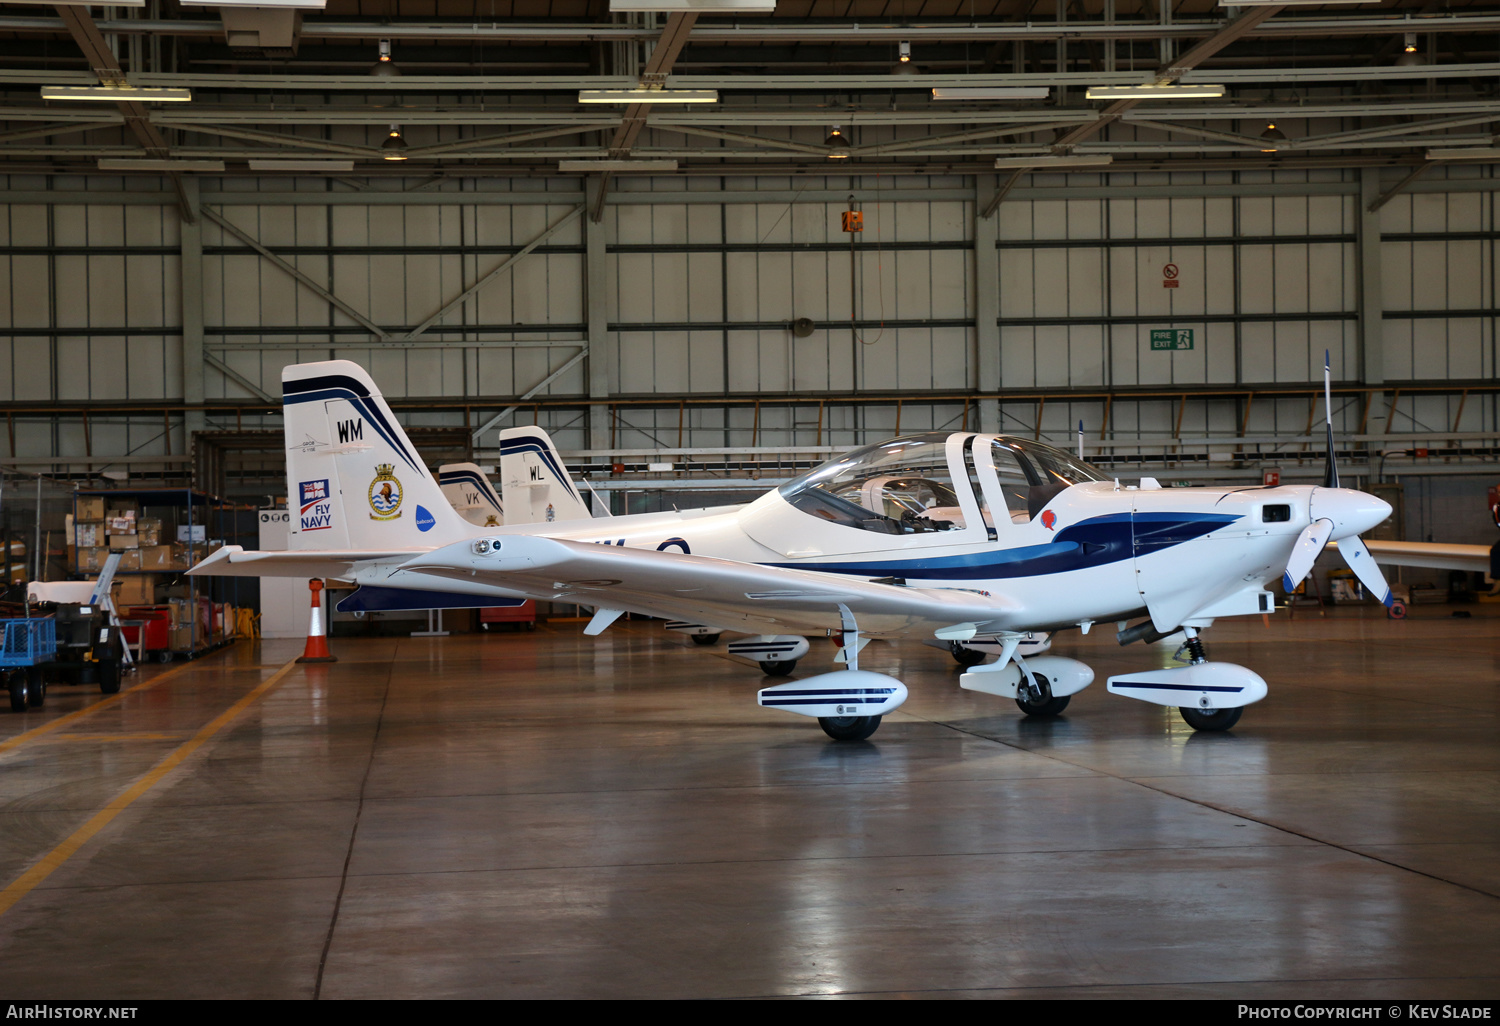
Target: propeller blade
(1331, 469)
(1357, 555)
(1309, 543)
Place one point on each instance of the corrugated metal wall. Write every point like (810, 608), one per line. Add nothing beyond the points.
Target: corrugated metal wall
(701, 295)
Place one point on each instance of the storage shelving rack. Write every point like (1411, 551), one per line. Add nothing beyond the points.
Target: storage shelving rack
(188, 508)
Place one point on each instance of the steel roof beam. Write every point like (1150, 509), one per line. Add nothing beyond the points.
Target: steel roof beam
(767, 30)
(464, 85)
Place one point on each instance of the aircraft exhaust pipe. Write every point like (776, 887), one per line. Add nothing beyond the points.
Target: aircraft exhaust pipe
(1143, 631)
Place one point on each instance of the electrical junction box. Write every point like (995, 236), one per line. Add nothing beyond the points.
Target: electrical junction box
(854, 221)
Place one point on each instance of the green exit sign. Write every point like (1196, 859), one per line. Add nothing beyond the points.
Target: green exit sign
(1171, 338)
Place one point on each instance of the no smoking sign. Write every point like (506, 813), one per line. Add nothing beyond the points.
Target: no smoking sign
(1169, 277)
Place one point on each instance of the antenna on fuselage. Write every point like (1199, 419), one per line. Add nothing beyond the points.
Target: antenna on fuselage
(1080, 439)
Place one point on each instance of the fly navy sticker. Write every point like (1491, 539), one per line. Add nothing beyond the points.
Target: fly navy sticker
(316, 506)
(425, 519)
(385, 493)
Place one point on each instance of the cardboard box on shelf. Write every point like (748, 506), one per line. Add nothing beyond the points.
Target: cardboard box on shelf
(156, 557)
(182, 639)
(149, 530)
(135, 590)
(89, 507)
(120, 525)
(130, 559)
(92, 557)
(87, 534)
(124, 541)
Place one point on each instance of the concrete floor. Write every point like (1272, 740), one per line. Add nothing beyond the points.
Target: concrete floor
(549, 815)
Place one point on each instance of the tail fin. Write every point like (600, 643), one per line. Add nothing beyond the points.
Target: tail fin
(470, 493)
(534, 481)
(351, 472)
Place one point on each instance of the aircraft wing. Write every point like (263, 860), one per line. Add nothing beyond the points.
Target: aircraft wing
(1435, 555)
(702, 589)
(234, 561)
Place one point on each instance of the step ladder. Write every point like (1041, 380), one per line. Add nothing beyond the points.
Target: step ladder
(103, 599)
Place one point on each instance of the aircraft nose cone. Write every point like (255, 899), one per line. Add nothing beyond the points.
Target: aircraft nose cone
(1352, 512)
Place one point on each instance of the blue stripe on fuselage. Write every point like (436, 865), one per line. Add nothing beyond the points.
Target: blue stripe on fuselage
(1090, 543)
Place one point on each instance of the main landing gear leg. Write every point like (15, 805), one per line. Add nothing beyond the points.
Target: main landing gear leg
(1034, 692)
(849, 728)
(1204, 719)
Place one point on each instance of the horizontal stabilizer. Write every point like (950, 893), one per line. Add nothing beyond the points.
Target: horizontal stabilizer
(234, 561)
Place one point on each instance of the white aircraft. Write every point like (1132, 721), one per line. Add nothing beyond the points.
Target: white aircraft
(955, 536)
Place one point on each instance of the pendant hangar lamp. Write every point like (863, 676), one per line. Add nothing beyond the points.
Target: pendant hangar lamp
(394, 147)
(838, 144)
(384, 66)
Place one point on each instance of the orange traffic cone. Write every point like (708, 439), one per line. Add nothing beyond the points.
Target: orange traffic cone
(317, 641)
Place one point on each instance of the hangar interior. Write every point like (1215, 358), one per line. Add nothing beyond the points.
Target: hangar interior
(669, 289)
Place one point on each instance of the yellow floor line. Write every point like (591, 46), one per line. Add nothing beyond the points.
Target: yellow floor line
(57, 856)
(76, 714)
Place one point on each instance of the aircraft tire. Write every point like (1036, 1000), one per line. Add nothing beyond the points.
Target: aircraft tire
(1219, 719)
(1051, 707)
(704, 639)
(966, 656)
(849, 728)
(781, 669)
(19, 690)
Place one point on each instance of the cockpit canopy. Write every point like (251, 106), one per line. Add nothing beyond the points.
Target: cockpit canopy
(908, 485)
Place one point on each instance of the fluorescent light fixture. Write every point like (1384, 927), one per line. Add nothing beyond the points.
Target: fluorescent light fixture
(617, 165)
(1465, 153)
(1290, 3)
(300, 5)
(74, 3)
(991, 93)
(1154, 92)
(301, 165)
(1043, 161)
(707, 6)
(648, 96)
(117, 94)
(151, 164)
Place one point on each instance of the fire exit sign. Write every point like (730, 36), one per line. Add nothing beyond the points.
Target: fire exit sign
(1171, 338)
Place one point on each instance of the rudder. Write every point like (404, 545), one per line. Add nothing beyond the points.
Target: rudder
(470, 493)
(535, 484)
(356, 479)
